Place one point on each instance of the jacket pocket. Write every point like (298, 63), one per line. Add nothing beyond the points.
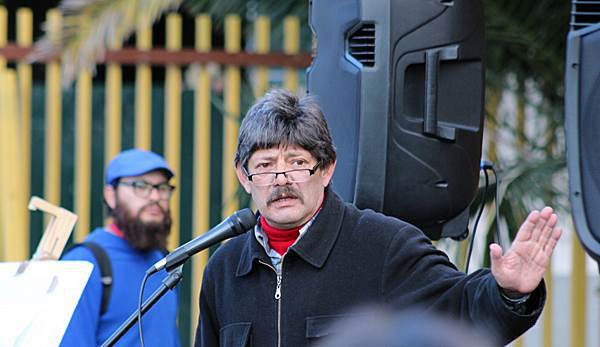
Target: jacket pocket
(235, 335)
(321, 326)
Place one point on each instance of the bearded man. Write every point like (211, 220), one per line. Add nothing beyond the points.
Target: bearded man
(137, 194)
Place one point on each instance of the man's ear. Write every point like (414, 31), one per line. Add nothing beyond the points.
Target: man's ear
(110, 196)
(243, 178)
(327, 174)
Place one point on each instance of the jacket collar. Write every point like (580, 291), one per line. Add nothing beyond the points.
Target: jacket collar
(313, 247)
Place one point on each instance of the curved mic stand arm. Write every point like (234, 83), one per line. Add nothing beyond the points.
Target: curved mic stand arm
(170, 282)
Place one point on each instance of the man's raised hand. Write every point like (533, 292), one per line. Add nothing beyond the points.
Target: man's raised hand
(522, 267)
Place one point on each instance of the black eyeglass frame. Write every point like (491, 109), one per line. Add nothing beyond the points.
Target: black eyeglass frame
(137, 188)
(277, 173)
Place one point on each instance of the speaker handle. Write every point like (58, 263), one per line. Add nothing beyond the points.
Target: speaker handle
(431, 126)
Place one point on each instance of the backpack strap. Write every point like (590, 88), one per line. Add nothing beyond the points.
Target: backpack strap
(105, 272)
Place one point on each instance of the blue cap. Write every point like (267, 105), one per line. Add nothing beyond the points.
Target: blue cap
(135, 162)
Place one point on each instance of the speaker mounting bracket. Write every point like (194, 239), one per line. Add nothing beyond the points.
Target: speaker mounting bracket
(431, 126)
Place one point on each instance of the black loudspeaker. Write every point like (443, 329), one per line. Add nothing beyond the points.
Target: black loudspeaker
(401, 83)
(582, 122)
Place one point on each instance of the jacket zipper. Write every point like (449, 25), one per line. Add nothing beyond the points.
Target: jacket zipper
(278, 298)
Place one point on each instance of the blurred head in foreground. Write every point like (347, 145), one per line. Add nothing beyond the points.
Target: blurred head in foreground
(379, 327)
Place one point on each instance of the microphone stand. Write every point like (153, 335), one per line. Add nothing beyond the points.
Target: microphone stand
(170, 282)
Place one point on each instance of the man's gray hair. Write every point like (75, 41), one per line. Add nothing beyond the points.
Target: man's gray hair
(280, 118)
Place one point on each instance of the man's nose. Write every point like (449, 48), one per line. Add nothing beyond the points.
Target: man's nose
(154, 194)
(281, 179)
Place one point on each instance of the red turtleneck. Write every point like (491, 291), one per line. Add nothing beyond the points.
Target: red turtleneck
(280, 240)
(115, 230)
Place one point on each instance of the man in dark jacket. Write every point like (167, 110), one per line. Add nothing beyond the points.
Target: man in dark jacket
(311, 258)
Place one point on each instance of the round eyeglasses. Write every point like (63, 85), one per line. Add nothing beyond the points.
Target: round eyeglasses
(143, 189)
(263, 179)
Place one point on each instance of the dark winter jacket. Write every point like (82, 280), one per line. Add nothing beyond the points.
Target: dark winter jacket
(348, 257)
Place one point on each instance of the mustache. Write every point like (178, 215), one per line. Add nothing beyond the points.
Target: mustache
(283, 192)
(152, 204)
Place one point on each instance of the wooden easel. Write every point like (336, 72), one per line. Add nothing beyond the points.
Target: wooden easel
(57, 231)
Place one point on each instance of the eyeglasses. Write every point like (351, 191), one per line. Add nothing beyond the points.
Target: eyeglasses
(263, 179)
(143, 189)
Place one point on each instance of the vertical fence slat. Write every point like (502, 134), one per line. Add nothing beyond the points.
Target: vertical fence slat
(25, 39)
(4, 146)
(291, 45)
(143, 88)
(83, 151)
(12, 204)
(578, 295)
(112, 106)
(3, 33)
(52, 158)
(262, 37)
(548, 308)
(462, 254)
(231, 122)
(202, 139)
(173, 119)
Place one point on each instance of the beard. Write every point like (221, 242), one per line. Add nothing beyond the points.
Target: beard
(142, 235)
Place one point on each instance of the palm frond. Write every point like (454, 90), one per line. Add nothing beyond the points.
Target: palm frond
(527, 39)
(248, 10)
(89, 27)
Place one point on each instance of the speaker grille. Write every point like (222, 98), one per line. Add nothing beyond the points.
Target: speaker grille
(584, 13)
(361, 44)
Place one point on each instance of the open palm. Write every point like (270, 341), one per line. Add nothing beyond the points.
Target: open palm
(522, 267)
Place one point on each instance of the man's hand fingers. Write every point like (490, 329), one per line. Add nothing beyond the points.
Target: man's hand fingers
(495, 253)
(555, 236)
(548, 230)
(544, 217)
(528, 226)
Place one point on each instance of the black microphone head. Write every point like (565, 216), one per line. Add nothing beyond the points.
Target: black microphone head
(243, 220)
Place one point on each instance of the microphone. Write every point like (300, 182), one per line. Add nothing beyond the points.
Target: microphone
(238, 223)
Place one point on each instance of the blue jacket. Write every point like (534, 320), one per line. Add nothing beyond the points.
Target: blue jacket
(348, 257)
(88, 328)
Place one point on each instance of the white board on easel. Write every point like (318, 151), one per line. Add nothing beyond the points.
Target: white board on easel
(36, 305)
